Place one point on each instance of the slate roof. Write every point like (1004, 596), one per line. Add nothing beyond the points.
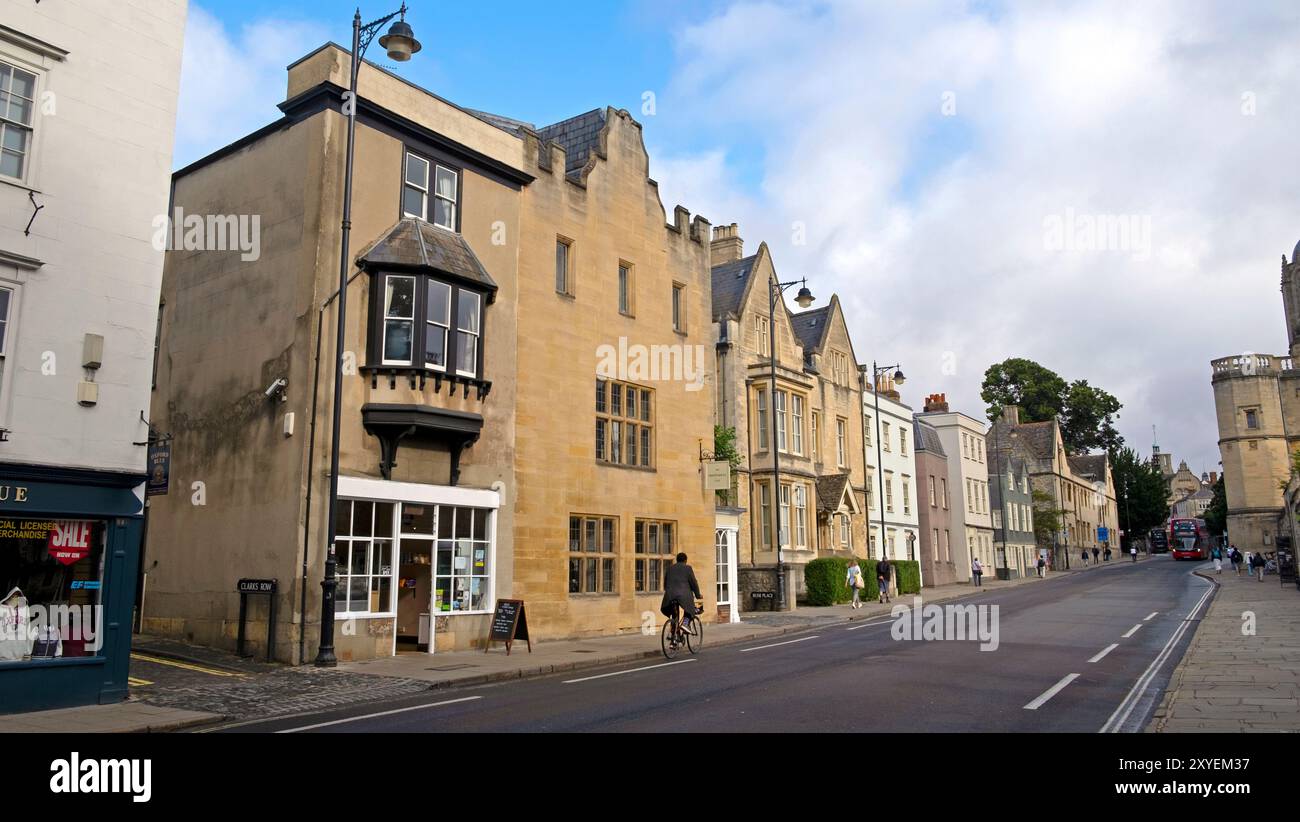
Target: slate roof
(926, 438)
(830, 490)
(729, 280)
(506, 124)
(810, 327)
(413, 243)
(1038, 437)
(578, 136)
(1091, 465)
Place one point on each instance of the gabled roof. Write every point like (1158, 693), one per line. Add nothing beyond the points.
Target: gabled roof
(1089, 465)
(415, 244)
(1039, 438)
(926, 438)
(729, 282)
(810, 328)
(578, 136)
(831, 492)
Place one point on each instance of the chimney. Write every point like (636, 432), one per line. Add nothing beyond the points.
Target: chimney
(727, 246)
(1011, 414)
(936, 402)
(886, 388)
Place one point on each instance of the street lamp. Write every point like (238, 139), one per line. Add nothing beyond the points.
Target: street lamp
(876, 373)
(400, 43)
(804, 298)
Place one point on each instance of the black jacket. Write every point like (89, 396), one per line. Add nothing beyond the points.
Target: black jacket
(680, 585)
(882, 570)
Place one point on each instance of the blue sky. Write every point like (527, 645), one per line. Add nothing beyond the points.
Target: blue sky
(820, 127)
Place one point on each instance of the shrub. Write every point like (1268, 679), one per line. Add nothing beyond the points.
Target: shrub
(823, 579)
(907, 575)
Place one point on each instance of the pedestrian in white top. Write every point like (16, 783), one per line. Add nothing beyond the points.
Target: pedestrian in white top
(977, 572)
(856, 583)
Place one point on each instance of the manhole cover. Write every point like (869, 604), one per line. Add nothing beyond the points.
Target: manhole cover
(456, 667)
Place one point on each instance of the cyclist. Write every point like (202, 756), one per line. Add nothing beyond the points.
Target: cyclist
(680, 589)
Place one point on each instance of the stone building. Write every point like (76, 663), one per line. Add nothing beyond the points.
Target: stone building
(88, 98)
(1080, 486)
(525, 377)
(1257, 407)
(934, 507)
(1013, 515)
(817, 414)
(968, 482)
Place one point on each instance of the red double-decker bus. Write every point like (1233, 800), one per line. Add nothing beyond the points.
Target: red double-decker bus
(1189, 538)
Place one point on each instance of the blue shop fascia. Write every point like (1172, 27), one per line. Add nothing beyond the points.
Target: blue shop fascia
(69, 549)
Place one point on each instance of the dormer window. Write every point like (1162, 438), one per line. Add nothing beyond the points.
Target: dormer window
(428, 199)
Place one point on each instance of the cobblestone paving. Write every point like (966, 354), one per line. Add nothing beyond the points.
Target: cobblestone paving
(287, 691)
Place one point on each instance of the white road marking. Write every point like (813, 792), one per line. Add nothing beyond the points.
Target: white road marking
(1132, 631)
(1125, 708)
(1150, 616)
(1051, 692)
(869, 624)
(775, 644)
(381, 713)
(629, 671)
(1109, 648)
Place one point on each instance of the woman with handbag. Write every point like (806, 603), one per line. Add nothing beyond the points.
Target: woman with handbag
(857, 583)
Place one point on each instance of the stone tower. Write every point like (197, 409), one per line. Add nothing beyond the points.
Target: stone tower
(1257, 407)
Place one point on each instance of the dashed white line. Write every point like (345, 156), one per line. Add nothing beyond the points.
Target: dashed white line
(1150, 616)
(775, 644)
(1132, 631)
(1108, 649)
(381, 713)
(1051, 692)
(869, 624)
(629, 671)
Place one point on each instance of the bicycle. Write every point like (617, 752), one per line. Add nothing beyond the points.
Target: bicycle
(674, 636)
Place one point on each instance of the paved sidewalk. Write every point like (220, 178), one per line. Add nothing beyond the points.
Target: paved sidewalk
(1231, 682)
(124, 717)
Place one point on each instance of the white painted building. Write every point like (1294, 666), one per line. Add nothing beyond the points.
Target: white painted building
(963, 439)
(891, 474)
(88, 100)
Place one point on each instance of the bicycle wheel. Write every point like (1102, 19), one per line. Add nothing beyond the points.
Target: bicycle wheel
(695, 636)
(667, 641)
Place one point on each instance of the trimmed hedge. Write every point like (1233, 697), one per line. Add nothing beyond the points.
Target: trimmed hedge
(825, 580)
(907, 575)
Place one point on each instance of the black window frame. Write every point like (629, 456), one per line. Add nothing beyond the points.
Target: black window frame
(433, 160)
(375, 335)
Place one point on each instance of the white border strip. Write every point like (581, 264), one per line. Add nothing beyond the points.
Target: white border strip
(390, 491)
(1121, 714)
(1132, 631)
(1107, 650)
(381, 713)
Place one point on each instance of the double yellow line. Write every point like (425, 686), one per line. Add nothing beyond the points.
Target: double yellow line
(189, 666)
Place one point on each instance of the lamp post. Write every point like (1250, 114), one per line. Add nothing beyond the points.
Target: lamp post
(804, 298)
(1003, 471)
(877, 372)
(400, 44)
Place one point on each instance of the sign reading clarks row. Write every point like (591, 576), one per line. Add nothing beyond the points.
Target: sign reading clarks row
(70, 541)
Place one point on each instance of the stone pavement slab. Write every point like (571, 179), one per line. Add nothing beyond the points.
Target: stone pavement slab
(1234, 681)
(124, 717)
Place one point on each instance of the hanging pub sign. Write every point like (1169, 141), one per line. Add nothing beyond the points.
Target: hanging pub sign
(70, 541)
(160, 466)
(717, 475)
(509, 622)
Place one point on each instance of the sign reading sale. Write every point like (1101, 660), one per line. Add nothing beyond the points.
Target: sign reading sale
(70, 541)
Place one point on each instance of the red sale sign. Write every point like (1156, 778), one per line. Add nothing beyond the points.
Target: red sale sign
(70, 541)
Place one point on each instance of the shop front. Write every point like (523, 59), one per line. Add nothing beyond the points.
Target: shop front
(416, 564)
(69, 545)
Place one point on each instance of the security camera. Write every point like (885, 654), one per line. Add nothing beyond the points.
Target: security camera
(277, 388)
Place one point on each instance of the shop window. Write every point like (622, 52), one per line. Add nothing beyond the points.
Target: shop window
(51, 581)
(364, 552)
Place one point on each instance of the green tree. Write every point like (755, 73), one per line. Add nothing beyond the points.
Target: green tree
(1086, 413)
(1047, 518)
(724, 448)
(1216, 516)
(1140, 492)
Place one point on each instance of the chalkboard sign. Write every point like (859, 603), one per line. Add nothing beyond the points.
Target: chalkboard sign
(509, 622)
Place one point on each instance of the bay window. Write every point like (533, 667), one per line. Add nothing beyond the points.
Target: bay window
(417, 313)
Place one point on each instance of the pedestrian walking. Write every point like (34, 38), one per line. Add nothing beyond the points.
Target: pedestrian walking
(1106, 553)
(1216, 554)
(1133, 552)
(882, 579)
(1234, 556)
(1250, 563)
(1257, 562)
(1042, 566)
(1085, 557)
(977, 572)
(856, 583)
(1096, 552)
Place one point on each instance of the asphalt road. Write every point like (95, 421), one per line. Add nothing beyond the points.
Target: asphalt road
(1086, 652)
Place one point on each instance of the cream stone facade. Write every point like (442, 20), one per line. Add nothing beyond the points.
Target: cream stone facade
(1081, 486)
(502, 435)
(968, 484)
(817, 412)
(892, 492)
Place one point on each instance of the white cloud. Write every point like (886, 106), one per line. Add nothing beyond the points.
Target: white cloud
(231, 83)
(1104, 107)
